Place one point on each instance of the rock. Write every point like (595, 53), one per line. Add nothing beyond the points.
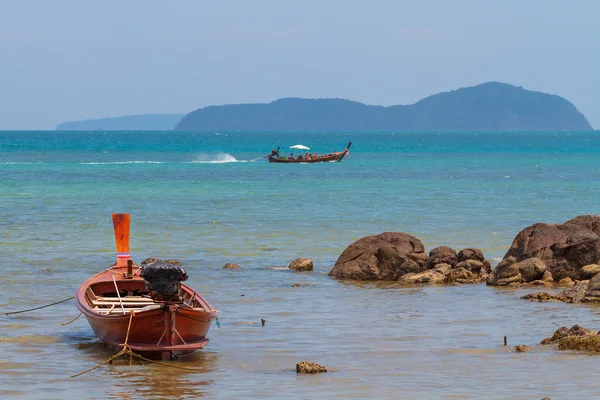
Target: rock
(566, 282)
(307, 367)
(302, 284)
(150, 260)
(584, 343)
(511, 272)
(592, 290)
(301, 264)
(442, 255)
(463, 275)
(531, 269)
(474, 266)
(564, 332)
(386, 256)
(547, 277)
(565, 249)
(231, 266)
(522, 348)
(470, 254)
(573, 294)
(539, 297)
(589, 271)
(435, 275)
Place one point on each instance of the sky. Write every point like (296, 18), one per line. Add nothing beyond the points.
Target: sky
(65, 60)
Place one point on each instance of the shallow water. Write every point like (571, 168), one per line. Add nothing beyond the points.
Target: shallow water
(196, 197)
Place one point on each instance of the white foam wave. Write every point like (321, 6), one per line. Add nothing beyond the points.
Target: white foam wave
(217, 158)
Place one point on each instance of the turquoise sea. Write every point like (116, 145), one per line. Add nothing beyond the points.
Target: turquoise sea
(208, 199)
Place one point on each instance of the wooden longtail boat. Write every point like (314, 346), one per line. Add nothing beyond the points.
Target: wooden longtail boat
(147, 307)
(275, 157)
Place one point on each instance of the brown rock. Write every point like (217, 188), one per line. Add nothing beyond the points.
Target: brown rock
(302, 284)
(522, 348)
(589, 271)
(547, 277)
(442, 255)
(381, 257)
(474, 266)
(470, 254)
(566, 282)
(307, 367)
(435, 275)
(564, 332)
(573, 294)
(231, 266)
(301, 264)
(531, 269)
(539, 297)
(584, 343)
(565, 248)
(462, 275)
(150, 260)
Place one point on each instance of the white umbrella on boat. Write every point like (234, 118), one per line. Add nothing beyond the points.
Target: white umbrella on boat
(299, 147)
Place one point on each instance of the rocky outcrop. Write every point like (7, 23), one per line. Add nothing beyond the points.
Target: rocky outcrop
(396, 256)
(551, 252)
(386, 256)
(581, 292)
(576, 338)
(301, 264)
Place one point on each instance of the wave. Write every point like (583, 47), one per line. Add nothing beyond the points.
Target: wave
(216, 158)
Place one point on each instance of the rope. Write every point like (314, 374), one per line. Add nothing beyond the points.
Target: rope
(127, 351)
(67, 323)
(37, 308)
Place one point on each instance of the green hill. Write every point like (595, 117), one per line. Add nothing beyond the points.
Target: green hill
(490, 106)
(159, 122)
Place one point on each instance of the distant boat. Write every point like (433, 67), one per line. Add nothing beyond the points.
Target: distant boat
(148, 309)
(275, 157)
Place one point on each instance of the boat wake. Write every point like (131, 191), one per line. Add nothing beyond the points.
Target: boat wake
(218, 158)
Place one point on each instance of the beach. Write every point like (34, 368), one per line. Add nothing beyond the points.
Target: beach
(208, 199)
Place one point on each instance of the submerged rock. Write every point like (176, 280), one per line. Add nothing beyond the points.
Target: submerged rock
(539, 297)
(301, 264)
(522, 349)
(231, 266)
(308, 367)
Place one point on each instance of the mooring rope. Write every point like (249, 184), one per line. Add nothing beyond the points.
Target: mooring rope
(126, 350)
(37, 308)
(67, 323)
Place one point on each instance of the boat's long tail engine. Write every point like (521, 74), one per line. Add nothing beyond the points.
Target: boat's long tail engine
(163, 280)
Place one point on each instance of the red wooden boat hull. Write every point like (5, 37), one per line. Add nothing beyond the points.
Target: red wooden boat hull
(158, 329)
(332, 157)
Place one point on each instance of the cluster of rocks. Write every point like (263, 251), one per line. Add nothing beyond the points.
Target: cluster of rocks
(575, 338)
(587, 291)
(397, 256)
(549, 253)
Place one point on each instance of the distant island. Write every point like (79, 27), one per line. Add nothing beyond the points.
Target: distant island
(491, 106)
(161, 122)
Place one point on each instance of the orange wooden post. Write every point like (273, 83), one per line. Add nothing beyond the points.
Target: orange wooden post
(121, 225)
